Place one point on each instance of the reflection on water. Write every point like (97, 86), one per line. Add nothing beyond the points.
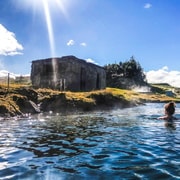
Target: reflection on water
(121, 144)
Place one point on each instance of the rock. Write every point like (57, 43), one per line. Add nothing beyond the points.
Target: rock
(59, 103)
(27, 106)
(53, 103)
(3, 110)
(108, 101)
(31, 94)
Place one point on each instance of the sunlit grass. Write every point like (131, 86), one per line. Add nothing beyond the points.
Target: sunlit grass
(128, 95)
(9, 104)
(132, 95)
(85, 100)
(12, 85)
(79, 96)
(88, 97)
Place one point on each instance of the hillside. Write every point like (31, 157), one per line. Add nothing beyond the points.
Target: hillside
(165, 88)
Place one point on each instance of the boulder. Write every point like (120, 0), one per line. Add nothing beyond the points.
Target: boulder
(27, 106)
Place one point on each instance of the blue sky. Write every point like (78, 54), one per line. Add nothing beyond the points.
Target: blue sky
(103, 31)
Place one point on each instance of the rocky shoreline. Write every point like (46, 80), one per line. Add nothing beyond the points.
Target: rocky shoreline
(22, 101)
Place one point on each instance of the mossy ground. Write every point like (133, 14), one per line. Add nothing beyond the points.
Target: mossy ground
(128, 95)
(79, 100)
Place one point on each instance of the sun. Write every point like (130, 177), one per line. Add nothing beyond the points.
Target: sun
(36, 5)
(46, 9)
(57, 4)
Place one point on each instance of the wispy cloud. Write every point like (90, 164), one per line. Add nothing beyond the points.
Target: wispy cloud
(70, 42)
(89, 60)
(164, 75)
(83, 44)
(147, 5)
(9, 46)
(4, 73)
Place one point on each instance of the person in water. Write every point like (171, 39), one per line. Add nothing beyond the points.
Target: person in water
(169, 111)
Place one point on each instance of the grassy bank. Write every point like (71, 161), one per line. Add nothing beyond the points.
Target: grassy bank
(19, 99)
(128, 95)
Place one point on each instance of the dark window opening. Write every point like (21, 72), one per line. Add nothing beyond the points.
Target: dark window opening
(48, 69)
(83, 80)
(97, 82)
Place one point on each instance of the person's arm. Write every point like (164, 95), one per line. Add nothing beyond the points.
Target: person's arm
(162, 117)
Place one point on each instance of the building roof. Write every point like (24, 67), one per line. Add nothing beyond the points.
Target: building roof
(67, 58)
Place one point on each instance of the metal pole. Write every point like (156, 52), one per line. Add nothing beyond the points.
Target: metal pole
(8, 82)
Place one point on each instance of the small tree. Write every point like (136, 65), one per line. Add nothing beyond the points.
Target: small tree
(130, 69)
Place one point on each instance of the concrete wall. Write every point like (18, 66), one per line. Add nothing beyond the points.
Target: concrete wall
(67, 73)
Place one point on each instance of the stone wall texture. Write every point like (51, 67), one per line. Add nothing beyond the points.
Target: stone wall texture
(67, 73)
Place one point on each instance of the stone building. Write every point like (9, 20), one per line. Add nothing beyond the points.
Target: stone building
(67, 73)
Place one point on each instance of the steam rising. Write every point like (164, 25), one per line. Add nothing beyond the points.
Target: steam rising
(142, 89)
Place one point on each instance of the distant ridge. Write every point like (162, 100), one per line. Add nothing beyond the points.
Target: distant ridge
(162, 84)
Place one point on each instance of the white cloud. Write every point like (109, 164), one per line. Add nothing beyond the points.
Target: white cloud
(163, 75)
(147, 5)
(9, 46)
(4, 74)
(165, 68)
(70, 42)
(83, 44)
(89, 60)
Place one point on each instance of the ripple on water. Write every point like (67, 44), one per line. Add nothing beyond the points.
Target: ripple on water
(120, 144)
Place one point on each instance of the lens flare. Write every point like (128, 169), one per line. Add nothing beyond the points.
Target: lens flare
(50, 35)
(48, 6)
(61, 5)
(49, 26)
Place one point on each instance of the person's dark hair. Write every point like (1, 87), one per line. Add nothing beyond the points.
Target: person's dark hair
(170, 108)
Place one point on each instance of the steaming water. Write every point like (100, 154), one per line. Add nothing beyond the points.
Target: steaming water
(121, 144)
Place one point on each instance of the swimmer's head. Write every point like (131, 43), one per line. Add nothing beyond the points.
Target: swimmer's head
(169, 108)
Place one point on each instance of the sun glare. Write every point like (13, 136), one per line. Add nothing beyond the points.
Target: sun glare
(49, 26)
(48, 18)
(48, 7)
(57, 4)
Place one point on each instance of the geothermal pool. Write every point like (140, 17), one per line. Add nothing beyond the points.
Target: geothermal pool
(119, 144)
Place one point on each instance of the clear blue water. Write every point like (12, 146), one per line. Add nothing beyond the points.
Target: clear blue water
(120, 144)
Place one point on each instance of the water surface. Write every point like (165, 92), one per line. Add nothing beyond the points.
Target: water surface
(120, 144)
